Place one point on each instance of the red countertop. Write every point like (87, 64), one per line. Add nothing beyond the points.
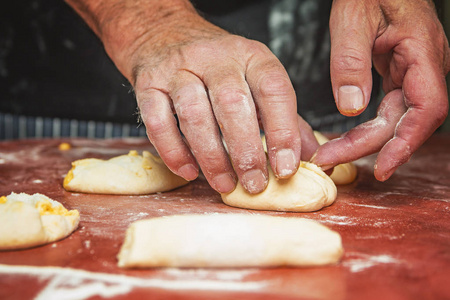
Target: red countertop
(396, 234)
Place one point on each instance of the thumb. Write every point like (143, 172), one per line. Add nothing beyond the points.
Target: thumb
(352, 36)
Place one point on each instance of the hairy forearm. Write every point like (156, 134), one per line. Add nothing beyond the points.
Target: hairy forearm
(122, 24)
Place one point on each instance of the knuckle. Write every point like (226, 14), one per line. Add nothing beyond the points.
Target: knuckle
(241, 42)
(281, 138)
(211, 162)
(144, 79)
(157, 125)
(351, 62)
(247, 160)
(173, 157)
(279, 135)
(257, 47)
(274, 85)
(230, 96)
(210, 155)
(191, 112)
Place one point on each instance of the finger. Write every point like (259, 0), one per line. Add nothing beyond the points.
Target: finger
(309, 141)
(426, 97)
(366, 138)
(351, 55)
(277, 105)
(199, 127)
(235, 113)
(162, 131)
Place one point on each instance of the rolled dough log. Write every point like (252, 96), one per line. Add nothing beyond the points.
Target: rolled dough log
(228, 240)
(343, 173)
(130, 174)
(33, 220)
(310, 189)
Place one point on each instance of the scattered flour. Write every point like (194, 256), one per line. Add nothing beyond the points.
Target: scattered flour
(225, 275)
(87, 244)
(368, 261)
(336, 220)
(137, 216)
(369, 206)
(68, 284)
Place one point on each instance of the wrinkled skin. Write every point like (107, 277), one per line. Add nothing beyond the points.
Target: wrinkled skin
(410, 51)
(219, 83)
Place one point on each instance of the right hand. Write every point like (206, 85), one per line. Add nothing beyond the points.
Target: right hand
(216, 83)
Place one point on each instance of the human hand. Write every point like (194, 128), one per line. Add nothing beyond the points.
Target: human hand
(215, 83)
(408, 47)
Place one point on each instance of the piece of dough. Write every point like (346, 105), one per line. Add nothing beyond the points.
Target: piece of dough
(130, 174)
(343, 173)
(228, 240)
(309, 189)
(33, 220)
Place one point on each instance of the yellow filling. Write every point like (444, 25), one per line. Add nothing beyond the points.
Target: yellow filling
(68, 178)
(45, 208)
(64, 146)
(133, 153)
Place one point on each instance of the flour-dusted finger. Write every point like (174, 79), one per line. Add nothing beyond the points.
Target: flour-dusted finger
(235, 112)
(275, 98)
(199, 127)
(162, 130)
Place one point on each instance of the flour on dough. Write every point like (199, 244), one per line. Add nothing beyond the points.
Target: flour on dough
(33, 220)
(343, 173)
(130, 174)
(309, 189)
(228, 240)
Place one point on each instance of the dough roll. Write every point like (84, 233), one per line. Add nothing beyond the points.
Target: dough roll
(228, 240)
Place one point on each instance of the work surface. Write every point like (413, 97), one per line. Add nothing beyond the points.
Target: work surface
(396, 234)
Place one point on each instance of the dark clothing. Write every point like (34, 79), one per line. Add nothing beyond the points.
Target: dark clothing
(53, 66)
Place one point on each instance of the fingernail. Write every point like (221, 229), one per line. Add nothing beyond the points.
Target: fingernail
(224, 183)
(188, 172)
(254, 181)
(387, 174)
(285, 163)
(350, 99)
(313, 158)
(326, 167)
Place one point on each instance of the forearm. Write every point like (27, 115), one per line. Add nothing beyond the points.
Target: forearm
(122, 24)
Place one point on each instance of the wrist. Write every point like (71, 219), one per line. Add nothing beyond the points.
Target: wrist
(123, 25)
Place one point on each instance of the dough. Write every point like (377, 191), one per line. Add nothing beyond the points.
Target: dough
(130, 174)
(228, 240)
(310, 189)
(343, 173)
(33, 220)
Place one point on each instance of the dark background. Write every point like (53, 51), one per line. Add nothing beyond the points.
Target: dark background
(48, 54)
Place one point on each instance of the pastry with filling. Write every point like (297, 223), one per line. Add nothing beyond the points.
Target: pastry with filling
(130, 174)
(33, 220)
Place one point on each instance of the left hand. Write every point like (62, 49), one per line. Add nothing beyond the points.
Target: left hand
(408, 47)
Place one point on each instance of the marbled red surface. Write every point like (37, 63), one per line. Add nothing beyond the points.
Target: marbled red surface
(396, 234)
